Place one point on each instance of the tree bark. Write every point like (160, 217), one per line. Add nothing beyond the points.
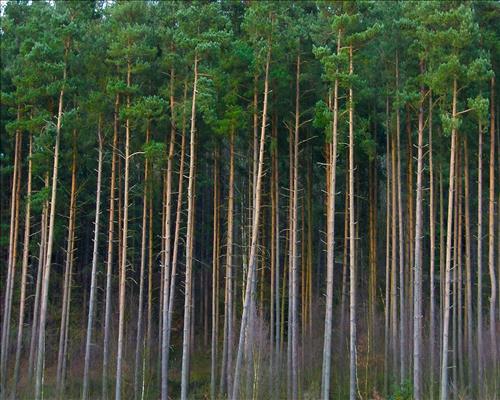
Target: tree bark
(173, 274)
(41, 262)
(352, 242)
(446, 294)
(468, 271)
(491, 228)
(189, 245)
(68, 272)
(93, 277)
(11, 264)
(24, 271)
(109, 258)
(140, 309)
(254, 238)
(50, 242)
(123, 265)
(417, 281)
(432, 233)
(215, 279)
(330, 244)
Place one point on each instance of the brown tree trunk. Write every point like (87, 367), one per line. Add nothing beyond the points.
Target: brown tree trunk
(215, 279)
(187, 331)
(24, 271)
(227, 351)
(446, 294)
(93, 283)
(50, 243)
(417, 281)
(432, 237)
(68, 271)
(352, 247)
(140, 307)
(41, 262)
(123, 265)
(491, 228)
(11, 264)
(109, 257)
(330, 243)
(254, 238)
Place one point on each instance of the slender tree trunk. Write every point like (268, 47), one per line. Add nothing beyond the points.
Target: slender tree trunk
(479, 328)
(394, 219)
(165, 330)
(387, 253)
(123, 265)
(24, 271)
(294, 240)
(215, 280)
(228, 291)
(468, 271)
(93, 277)
(255, 230)
(402, 283)
(273, 354)
(41, 262)
(344, 289)
(189, 246)
(432, 233)
(417, 281)
(50, 243)
(68, 271)
(491, 229)
(176, 234)
(109, 258)
(140, 308)
(11, 264)
(446, 294)
(330, 243)
(352, 242)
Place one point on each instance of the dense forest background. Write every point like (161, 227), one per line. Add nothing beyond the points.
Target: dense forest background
(250, 199)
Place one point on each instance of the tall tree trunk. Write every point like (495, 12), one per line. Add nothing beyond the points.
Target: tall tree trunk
(109, 258)
(173, 274)
(12, 258)
(274, 243)
(255, 230)
(387, 251)
(123, 265)
(330, 243)
(41, 262)
(446, 294)
(24, 271)
(352, 242)
(215, 279)
(491, 229)
(432, 237)
(227, 353)
(189, 245)
(468, 271)
(402, 282)
(479, 328)
(68, 271)
(417, 281)
(93, 277)
(50, 242)
(140, 307)
(294, 239)
(165, 326)
(394, 219)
